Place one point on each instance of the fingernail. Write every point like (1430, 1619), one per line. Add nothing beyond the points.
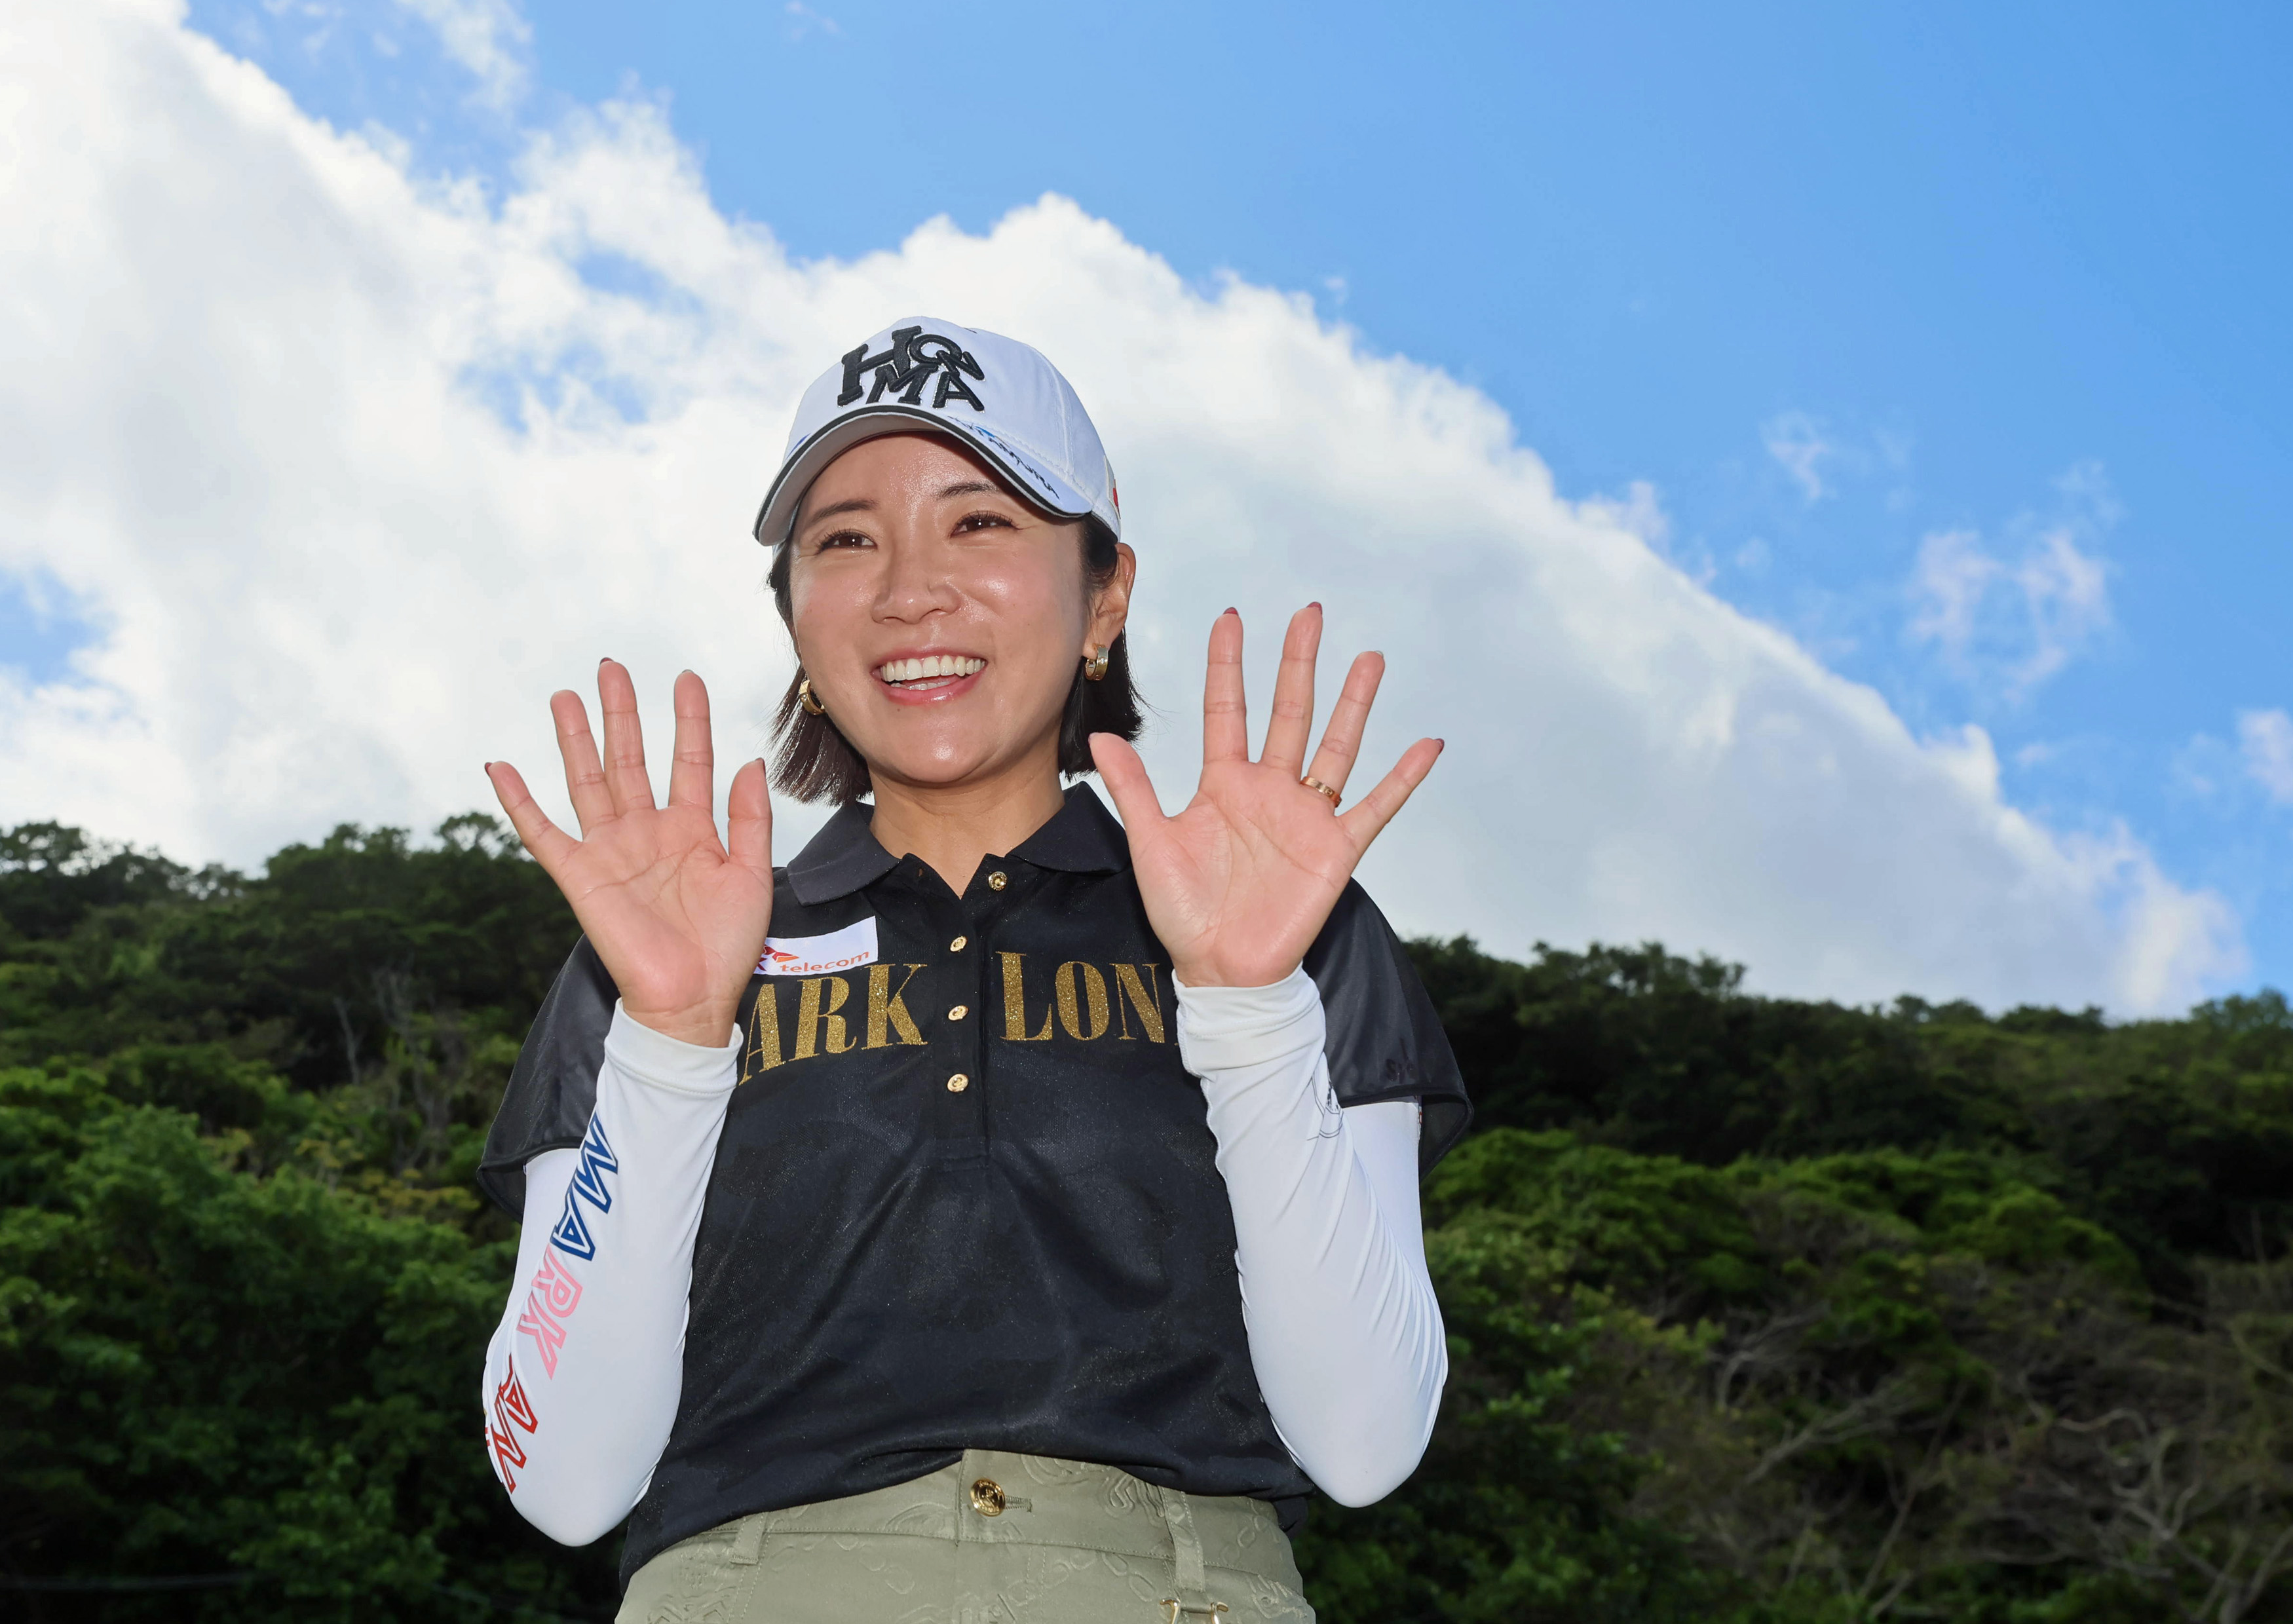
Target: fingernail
(1440, 744)
(1231, 609)
(1317, 604)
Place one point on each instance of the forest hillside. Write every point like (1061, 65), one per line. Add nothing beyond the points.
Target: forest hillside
(1760, 1309)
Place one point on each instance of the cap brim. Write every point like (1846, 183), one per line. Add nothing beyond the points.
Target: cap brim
(1039, 487)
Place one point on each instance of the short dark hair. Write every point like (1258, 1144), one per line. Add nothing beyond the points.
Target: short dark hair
(812, 760)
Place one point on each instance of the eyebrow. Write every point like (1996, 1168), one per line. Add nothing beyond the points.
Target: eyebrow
(856, 505)
(867, 504)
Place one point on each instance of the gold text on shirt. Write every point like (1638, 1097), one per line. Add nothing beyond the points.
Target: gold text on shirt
(820, 1029)
(1079, 1004)
(885, 1012)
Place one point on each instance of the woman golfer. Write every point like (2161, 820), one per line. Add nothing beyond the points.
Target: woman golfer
(1000, 1212)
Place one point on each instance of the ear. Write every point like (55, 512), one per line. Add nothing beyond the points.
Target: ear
(1110, 606)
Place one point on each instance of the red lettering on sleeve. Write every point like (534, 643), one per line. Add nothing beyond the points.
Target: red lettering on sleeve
(558, 1285)
(553, 1298)
(548, 1336)
(513, 1412)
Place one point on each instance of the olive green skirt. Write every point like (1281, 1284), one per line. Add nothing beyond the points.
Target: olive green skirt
(996, 1539)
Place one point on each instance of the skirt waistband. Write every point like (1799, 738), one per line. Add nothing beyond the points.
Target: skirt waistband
(995, 1539)
(992, 1497)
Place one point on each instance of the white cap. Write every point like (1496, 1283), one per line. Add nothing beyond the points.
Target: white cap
(992, 394)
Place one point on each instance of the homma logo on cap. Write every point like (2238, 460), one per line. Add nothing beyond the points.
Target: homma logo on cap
(906, 376)
(903, 369)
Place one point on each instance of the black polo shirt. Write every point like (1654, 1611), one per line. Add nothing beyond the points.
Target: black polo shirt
(966, 1194)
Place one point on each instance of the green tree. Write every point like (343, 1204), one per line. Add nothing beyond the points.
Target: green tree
(1760, 1309)
(208, 1372)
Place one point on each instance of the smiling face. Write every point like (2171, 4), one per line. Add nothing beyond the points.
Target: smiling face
(939, 616)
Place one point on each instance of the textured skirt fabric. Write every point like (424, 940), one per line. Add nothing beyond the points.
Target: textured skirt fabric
(1071, 1544)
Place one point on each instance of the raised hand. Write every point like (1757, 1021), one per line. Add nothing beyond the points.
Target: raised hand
(678, 915)
(1238, 884)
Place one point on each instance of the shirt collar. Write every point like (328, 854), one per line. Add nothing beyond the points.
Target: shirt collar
(1081, 837)
(840, 859)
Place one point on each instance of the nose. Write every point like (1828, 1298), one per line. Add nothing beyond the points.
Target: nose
(914, 584)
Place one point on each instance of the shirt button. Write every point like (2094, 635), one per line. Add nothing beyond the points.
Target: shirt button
(997, 880)
(988, 1498)
(957, 946)
(959, 1011)
(958, 1083)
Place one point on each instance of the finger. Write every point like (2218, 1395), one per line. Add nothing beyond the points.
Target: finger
(585, 779)
(692, 765)
(1125, 778)
(1292, 723)
(749, 820)
(549, 844)
(1341, 740)
(1376, 810)
(1226, 718)
(624, 768)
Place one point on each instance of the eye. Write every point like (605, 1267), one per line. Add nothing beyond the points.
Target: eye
(839, 540)
(983, 520)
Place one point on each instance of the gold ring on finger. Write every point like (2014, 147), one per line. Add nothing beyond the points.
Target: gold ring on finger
(1322, 789)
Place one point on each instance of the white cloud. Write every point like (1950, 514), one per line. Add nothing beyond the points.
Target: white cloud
(803, 20)
(2067, 594)
(2014, 625)
(1949, 584)
(253, 379)
(2267, 737)
(1820, 459)
(1794, 439)
(488, 37)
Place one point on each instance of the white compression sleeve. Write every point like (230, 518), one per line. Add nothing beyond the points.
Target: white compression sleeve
(583, 1374)
(1345, 1332)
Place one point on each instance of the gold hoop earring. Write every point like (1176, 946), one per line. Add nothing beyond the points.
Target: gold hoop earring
(812, 706)
(1094, 669)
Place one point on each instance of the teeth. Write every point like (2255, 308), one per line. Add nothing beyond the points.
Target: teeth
(929, 666)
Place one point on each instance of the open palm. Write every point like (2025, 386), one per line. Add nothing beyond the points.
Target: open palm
(678, 915)
(1240, 883)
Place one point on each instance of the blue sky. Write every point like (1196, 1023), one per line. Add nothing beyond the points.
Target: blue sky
(1835, 281)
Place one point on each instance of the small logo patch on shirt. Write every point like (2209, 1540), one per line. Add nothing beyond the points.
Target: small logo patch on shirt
(854, 944)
